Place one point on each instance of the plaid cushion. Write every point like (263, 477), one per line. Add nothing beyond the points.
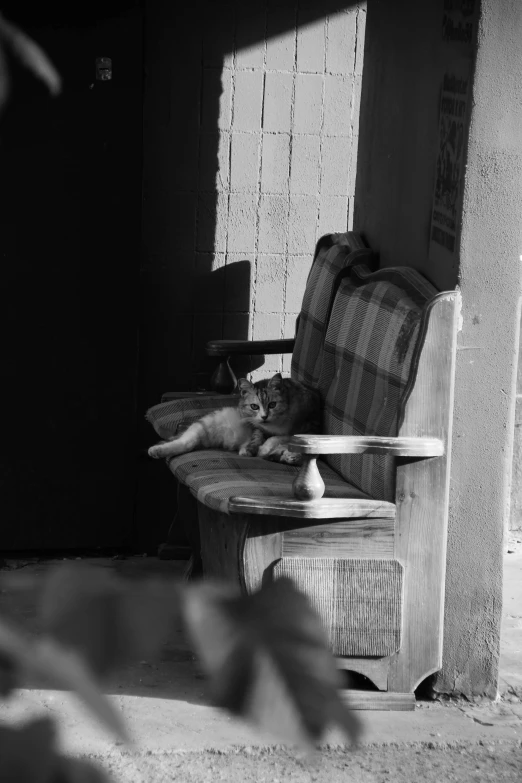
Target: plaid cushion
(371, 338)
(169, 417)
(214, 476)
(333, 253)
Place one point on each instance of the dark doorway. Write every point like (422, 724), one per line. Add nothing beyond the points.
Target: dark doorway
(70, 210)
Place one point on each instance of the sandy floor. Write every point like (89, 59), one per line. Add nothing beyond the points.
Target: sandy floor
(182, 737)
(403, 764)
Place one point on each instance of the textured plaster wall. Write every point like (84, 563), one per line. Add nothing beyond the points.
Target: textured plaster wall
(250, 139)
(487, 361)
(405, 59)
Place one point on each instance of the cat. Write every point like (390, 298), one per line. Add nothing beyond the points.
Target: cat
(268, 413)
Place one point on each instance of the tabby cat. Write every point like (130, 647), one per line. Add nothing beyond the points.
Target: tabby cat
(267, 414)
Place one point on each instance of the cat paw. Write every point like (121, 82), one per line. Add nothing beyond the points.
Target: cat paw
(264, 451)
(291, 458)
(244, 451)
(157, 451)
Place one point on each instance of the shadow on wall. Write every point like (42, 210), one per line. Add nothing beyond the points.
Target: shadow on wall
(205, 119)
(228, 235)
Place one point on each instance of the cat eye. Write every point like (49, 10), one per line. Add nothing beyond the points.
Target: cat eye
(254, 406)
(272, 404)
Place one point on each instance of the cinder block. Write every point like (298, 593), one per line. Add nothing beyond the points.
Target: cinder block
(287, 363)
(244, 161)
(275, 164)
(277, 102)
(214, 149)
(356, 103)
(361, 33)
(237, 326)
(250, 34)
(302, 224)
(267, 326)
(280, 47)
(273, 224)
(340, 42)
(273, 363)
(209, 283)
(289, 322)
(212, 222)
(242, 223)
(216, 99)
(335, 163)
(297, 273)
(270, 283)
(304, 169)
(333, 215)
(351, 201)
(248, 97)
(352, 171)
(310, 43)
(308, 103)
(337, 105)
(239, 280)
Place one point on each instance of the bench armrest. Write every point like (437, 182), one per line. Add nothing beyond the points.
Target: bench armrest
(355, 444)
(245, 347)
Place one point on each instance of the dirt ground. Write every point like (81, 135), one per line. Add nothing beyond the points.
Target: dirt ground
(429, 763)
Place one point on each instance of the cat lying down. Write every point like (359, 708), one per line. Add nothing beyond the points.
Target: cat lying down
(268, 413)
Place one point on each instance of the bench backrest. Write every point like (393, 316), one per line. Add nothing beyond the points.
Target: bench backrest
(367, 362)
(333, 253)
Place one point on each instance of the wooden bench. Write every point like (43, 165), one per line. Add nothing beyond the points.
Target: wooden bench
(361, 527)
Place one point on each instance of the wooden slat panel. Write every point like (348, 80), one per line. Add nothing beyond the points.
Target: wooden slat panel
(367, 444)
(325, 508)
(342, 538)
(379, 700)
(422, 500)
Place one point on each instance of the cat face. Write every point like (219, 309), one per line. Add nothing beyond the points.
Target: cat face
(265, 404)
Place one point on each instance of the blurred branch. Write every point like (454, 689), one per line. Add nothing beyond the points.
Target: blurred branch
(29, 54)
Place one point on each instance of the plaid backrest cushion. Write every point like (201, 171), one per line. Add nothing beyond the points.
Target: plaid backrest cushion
(370, 341)
(332, 254)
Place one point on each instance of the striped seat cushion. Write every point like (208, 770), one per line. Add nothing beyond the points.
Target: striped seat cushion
(367, 359)
(169, 417)
(215, 476)
(333, 253)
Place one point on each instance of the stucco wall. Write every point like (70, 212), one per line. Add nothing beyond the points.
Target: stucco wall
(250, 135)
(405, 60)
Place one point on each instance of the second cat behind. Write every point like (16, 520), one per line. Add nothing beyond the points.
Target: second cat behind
(268, 413)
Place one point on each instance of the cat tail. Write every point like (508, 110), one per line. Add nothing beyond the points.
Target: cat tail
(193, 437)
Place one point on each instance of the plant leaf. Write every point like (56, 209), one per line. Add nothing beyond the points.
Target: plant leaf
(27, 753)
(29, 54)
(268, 660)
(4, 78)
(61, 669)
(109, 621)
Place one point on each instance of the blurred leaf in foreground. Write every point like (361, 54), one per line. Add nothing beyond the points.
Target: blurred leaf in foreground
(108, 620)
(62, 669)
(28, 755)
(268, 660)
(27, 52)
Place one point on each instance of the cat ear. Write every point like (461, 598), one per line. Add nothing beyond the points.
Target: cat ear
(276, 381)
(244, 386)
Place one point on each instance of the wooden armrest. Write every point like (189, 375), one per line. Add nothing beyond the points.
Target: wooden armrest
(354, 444)
(254, 347)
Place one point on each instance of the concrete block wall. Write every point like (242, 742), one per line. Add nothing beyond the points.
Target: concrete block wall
(288, 129)
(250, 139)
